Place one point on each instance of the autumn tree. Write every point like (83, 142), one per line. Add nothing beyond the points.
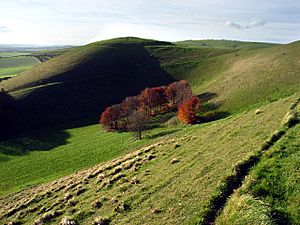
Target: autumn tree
(137, 122)
(178, 92)
(153, 99)
(187, 110)
(110, 117)
(130, 104)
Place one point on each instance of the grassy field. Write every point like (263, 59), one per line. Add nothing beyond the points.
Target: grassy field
(187, 165)
(48, 155)
(11, 54)
(15, 65)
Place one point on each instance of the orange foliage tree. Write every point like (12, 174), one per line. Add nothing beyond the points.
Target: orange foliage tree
(187, 110)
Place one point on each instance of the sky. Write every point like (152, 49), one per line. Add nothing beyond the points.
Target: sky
(78, 22)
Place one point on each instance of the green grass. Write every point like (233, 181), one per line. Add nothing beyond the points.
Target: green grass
(48, 155)
(207, 154)
(273, 184)
(13, 71)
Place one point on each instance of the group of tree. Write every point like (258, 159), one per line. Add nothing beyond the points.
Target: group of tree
(134, 112)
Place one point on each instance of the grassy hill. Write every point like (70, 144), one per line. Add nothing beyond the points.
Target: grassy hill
(86, 79)
(156, 180)
(240, 79)
(226, 44)
(80, 83)
(172, 181)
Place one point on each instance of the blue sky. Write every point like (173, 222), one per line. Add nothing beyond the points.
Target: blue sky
(82, 21)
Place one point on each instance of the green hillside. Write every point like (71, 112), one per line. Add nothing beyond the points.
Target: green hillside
(240, 79)
(172, 181)
(84, 78)
(177, 174)
(226, 44)
(80, 83)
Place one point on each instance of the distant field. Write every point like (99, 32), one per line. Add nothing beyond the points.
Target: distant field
(15, 65)
(11, 54)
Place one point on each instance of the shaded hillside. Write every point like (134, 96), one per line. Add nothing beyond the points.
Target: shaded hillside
(80, 83)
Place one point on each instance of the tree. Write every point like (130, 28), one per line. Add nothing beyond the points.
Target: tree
(153, 99)
(110, 117)
(130, 104)
(187, 110)
(178, 92)
(137, 122)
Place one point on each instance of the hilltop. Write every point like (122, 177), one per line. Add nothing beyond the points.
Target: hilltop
(227, 44)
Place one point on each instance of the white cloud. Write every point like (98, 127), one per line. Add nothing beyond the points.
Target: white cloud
(256, 23)
(4, 29)
(234, 25)
(252, 24)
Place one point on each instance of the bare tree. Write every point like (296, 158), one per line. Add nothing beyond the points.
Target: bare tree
(137, 123)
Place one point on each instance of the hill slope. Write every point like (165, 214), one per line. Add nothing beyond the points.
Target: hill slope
(188, 167)
(240, 79)
(80, 83)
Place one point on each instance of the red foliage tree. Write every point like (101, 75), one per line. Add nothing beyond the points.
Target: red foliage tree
(153, 99)
(178, 92)
(130, 104)
(187, 110)
(110, 117)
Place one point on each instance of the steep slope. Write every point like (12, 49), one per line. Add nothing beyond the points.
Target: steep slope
(80, 83)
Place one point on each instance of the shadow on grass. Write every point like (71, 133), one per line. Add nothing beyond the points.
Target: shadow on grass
(210, 110)
(157, 121)
(44, 141)
(161, 134)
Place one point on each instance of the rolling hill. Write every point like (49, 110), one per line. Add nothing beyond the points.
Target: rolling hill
(177, 174)
(81, 82)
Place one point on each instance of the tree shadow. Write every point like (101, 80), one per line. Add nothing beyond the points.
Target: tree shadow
(43, 141)
(206, 96)
(10, 144)
(161, 134)
(210, 109)
(158, 120)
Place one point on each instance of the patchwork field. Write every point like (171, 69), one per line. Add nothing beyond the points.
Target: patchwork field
(15, 65)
